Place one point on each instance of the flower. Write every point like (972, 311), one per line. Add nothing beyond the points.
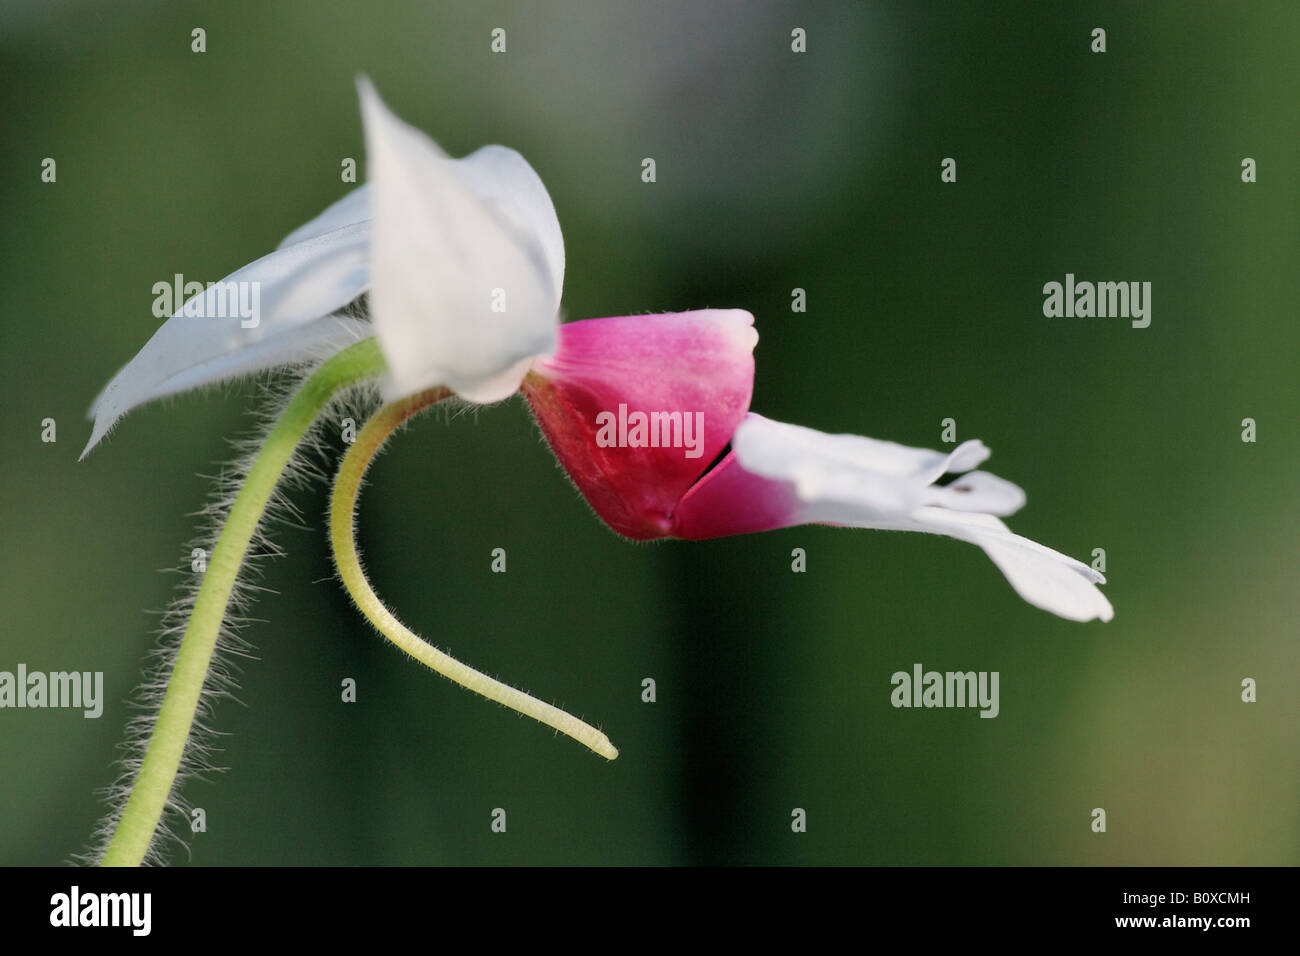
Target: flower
(463, 261)
(776, 475)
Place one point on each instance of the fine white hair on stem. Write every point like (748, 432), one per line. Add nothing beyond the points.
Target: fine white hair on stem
(312, 459)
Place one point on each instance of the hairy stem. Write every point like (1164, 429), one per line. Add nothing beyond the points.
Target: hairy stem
(153, 784)
(343, 502)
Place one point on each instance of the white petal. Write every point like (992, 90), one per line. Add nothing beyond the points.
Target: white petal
(451, 237)
(315, 339)
(964, 457)
(978, 491)
(826, 468)
(858, 482)
(867, 454)
(1052, 584)
(300, 283)
(506, 184)
(348, 211)
(879, 477)
(1045, 578)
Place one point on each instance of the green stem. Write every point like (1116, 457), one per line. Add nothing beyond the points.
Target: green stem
(153, 784)
(343, 504)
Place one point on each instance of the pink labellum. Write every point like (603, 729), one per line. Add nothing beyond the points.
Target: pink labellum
(637, 407)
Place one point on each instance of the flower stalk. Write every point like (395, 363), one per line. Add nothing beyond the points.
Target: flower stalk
(343, 505)
(153, 783)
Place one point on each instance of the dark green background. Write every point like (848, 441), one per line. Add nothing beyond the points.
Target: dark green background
(775, 171)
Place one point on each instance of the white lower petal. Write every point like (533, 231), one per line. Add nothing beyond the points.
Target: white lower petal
(808, 457)
(1045, 578)
(969, 454)
(845, 469)
(1054, 583)
(978, 491)
(464, 288)
(862, 483)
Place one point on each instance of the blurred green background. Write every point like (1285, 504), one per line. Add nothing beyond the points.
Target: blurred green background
(776, 170)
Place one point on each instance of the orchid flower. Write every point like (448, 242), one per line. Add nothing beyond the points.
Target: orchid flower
(442, 278)
(775, 475)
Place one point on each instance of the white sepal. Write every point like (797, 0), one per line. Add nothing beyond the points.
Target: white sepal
(466, 259)
(274, 311)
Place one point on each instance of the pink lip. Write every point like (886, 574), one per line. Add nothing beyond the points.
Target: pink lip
(697, 364)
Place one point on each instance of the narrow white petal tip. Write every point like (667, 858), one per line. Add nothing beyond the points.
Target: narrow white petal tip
(97, 432)
(969, 454)
(188, 353)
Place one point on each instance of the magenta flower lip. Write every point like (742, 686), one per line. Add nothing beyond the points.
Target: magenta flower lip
(689, 375)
